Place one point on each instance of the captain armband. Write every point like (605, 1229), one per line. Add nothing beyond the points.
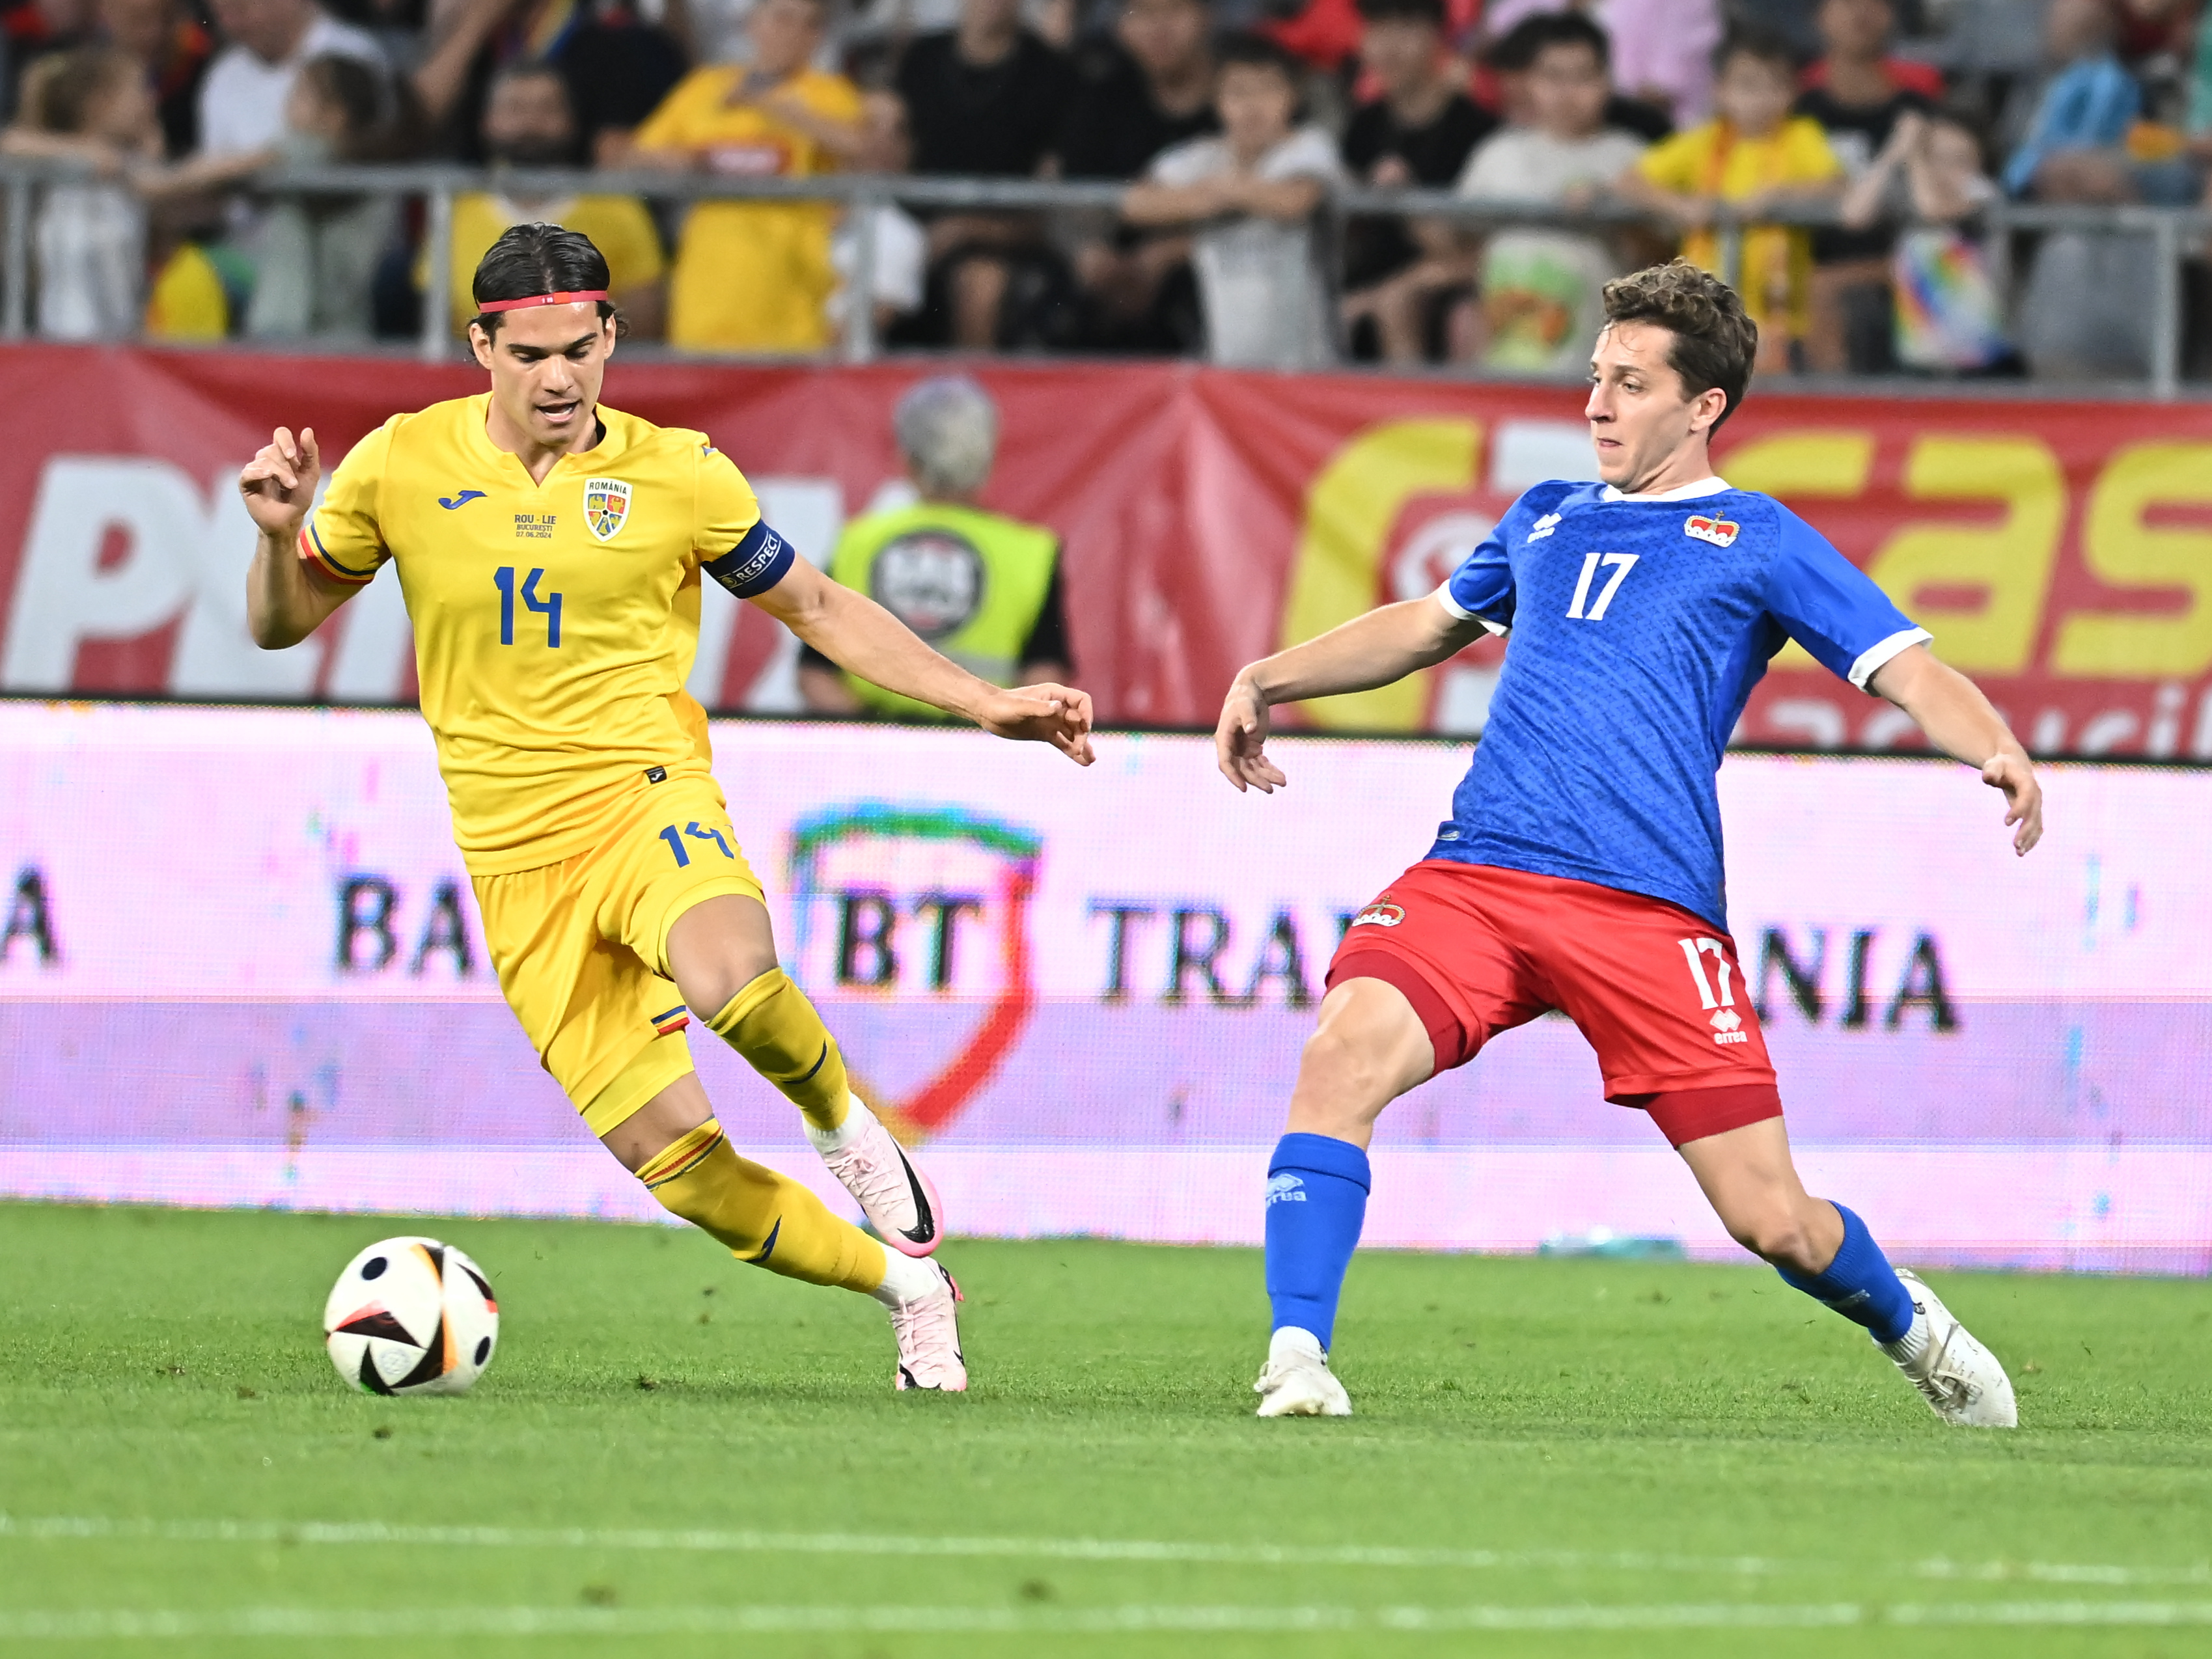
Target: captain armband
(756, 564)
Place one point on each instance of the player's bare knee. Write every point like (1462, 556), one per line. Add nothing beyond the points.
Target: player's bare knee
(1344, 1073)
(713, 955)
(1773, 1231)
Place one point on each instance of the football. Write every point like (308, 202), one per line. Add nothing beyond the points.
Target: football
(411, 1316)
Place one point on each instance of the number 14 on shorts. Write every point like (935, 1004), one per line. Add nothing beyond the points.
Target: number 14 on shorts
(693, 830)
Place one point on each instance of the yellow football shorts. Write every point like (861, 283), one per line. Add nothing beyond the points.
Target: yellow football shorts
(581, 947)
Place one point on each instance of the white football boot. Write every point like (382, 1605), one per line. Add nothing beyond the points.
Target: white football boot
(1960, 1379)
(926, 1321)
(899, 1201)
(1296, 1380)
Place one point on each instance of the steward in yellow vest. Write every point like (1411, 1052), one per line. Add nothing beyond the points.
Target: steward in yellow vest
(982, 588)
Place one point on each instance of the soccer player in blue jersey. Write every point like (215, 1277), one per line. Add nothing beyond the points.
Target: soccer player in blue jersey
(1581, 866)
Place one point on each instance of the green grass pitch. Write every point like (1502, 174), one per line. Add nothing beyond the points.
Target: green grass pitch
(675, 1455)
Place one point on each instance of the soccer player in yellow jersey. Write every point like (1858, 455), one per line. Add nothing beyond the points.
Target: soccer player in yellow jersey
(551, 552)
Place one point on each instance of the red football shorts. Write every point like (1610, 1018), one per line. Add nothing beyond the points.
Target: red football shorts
(1478, 949)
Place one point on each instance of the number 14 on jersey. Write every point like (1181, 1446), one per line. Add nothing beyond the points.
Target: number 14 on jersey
(1619, 563)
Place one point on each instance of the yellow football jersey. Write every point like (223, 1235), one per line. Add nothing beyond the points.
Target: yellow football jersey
(554, 623)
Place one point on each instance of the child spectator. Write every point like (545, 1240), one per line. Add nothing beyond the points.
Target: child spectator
(528, 123)
(1420, 133)
(1858, 95)
(90, 238)
(315, 257)
(1507, 59)
(1539, 290)
(1752, 157)
(1251, 194)
(1950, 318)
(92, 105)
(754, 276)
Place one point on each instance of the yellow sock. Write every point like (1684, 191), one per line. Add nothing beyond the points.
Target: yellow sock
(763, 1217)
(775, 1028)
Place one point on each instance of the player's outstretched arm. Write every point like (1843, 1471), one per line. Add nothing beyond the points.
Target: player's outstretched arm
(853, 631)
(1381, 647)
(1958, 719)
(287, 598)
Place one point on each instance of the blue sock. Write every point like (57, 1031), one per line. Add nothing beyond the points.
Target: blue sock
(1317, 1200)
(1859, 1283)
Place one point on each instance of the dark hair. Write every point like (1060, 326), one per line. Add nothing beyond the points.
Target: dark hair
(1403, 11)
(532, 69)
(528, 260)
(59, 91)
(1714, 342)
(1764, 44)
(358, 92)
(1258, 52)
(1518, 47)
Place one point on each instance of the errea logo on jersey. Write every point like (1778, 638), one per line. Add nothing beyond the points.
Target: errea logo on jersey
(606, 504)
(1543, 528)
(1728, 1027)
(1721, 532)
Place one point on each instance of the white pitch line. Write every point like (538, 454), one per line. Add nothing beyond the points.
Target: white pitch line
(387, 1624)
(718, 1542)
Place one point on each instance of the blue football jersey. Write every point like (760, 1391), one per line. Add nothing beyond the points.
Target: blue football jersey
(1639, 626)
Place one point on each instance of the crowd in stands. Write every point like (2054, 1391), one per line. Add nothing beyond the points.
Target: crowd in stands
(1232, 123)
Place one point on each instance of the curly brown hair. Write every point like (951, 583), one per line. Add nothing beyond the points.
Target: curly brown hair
(1714, 342)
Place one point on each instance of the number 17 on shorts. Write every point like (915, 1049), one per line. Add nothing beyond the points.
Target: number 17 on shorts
(1727, 1024)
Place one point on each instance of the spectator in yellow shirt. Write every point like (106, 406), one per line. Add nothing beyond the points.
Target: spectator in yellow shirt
(528, 123)
(754, 276)
(1752, 156)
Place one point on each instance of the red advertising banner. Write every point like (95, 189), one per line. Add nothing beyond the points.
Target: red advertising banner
(2060, 551)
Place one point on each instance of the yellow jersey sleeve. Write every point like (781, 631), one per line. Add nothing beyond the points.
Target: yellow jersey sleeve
(732, 544)
(674, 122)
(1807, 158)
(344, 536)
(1680, 163)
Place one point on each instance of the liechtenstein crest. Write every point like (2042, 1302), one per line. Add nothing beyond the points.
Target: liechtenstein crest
(606, 504)
(1721, 532)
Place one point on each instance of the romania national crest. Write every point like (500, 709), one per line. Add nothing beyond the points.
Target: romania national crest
(1721, 532)
(606, 504)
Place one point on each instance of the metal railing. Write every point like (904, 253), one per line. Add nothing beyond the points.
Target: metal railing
(2173, 234)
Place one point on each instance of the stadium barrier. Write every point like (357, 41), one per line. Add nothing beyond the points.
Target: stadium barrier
(2173, 234)
(2058, 550)
(241, 965)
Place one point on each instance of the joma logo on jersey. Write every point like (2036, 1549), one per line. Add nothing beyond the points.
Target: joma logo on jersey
(1721, 532)
(606, 504)
(1380, 915)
